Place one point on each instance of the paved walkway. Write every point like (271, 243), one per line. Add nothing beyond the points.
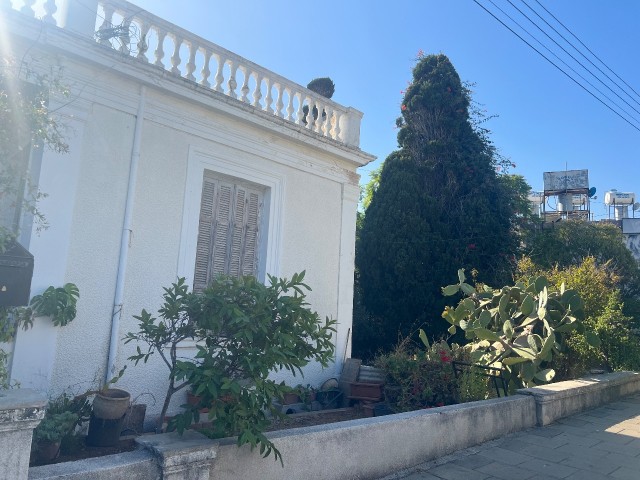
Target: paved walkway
(598, 444)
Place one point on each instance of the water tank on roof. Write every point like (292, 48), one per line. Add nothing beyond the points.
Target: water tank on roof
(620, 201)
(614, 197)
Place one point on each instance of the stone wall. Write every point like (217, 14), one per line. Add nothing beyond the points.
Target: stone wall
(366, 448)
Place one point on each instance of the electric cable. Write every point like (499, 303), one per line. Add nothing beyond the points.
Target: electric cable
(563, 62)
(556, 66)
(588, 49)
(574, 58)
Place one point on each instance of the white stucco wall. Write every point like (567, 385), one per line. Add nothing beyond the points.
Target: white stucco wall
(87, 188)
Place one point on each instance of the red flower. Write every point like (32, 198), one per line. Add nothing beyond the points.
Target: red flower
(403, 108)
(471, 246)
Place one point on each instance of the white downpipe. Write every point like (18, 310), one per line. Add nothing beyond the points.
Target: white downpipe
(125, 241)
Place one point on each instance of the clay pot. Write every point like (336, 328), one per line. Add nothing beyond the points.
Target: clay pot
(48, 451)
(111, 404)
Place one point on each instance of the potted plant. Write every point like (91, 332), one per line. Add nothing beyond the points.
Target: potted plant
(108, 411)
(48, 435)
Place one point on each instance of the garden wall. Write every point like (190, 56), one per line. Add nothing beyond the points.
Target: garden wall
(366, 448)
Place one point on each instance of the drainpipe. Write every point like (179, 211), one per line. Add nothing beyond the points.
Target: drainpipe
(125, 241)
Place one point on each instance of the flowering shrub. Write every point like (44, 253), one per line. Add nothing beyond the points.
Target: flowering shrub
(419, 378)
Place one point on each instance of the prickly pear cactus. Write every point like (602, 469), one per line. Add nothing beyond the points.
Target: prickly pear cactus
(518, 328)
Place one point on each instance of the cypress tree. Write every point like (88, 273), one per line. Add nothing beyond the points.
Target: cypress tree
(439, 206)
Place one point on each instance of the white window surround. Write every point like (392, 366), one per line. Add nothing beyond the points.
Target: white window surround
(242, 166)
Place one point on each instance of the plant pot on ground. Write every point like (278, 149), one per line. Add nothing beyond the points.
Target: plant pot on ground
(105, 425)
(50, 432)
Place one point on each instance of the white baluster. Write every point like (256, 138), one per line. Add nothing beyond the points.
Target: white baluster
(191, 64)
(335, 131)
(245, 85)
(219, 78)
(175, 58)
(49, 8)
(205, 70)
(279, 101)
(232, 83)
(125, 39)
(310, 122)
(300, 113)
(106, 25)
(290, 105)
(257, 94)
(143, 45)
(326, 124)
(269, 98)
(319, 120)
(159, 53)
(27, 8)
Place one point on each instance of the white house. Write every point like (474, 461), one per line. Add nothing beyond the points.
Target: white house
(164, 124)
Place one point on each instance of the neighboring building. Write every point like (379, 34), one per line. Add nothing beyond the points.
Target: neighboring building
(185, 160)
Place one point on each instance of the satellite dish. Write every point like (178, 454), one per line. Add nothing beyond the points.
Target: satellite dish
(592, 192)
(636, 206)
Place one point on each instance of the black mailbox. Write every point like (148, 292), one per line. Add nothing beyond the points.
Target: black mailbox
(16, 270)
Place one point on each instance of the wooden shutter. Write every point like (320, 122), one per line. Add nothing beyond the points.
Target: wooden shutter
(251, 234)
(205, 231)
(235, 252)
(222, 227)
(228, 231)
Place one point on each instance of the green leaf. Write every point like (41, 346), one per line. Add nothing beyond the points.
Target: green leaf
(547, 346)
(507, 328)
(450, 290)
(545, 375)
(451, 330)
(527, 306)
(484, 334)
(535, 342)
(461, 276)
(528, 371)
(425, 340)
(484, 319)
(541, 283)
(524, 352)
(467, 289)
(513, 360)
(502, 305)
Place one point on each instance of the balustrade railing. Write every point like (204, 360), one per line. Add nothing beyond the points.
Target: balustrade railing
(135, 32)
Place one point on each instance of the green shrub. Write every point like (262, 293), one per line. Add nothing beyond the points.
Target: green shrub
(424, 377)
(246, 331)
(597, 284)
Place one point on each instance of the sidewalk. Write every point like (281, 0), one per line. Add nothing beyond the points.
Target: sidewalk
(598, 444)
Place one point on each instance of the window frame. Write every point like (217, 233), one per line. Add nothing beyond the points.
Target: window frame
(241, 167)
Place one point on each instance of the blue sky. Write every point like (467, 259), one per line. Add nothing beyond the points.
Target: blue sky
(545, 122)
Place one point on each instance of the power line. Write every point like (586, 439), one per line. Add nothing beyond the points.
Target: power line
(574, 58)
(588, 49)
(556, 66)
(562, 61)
